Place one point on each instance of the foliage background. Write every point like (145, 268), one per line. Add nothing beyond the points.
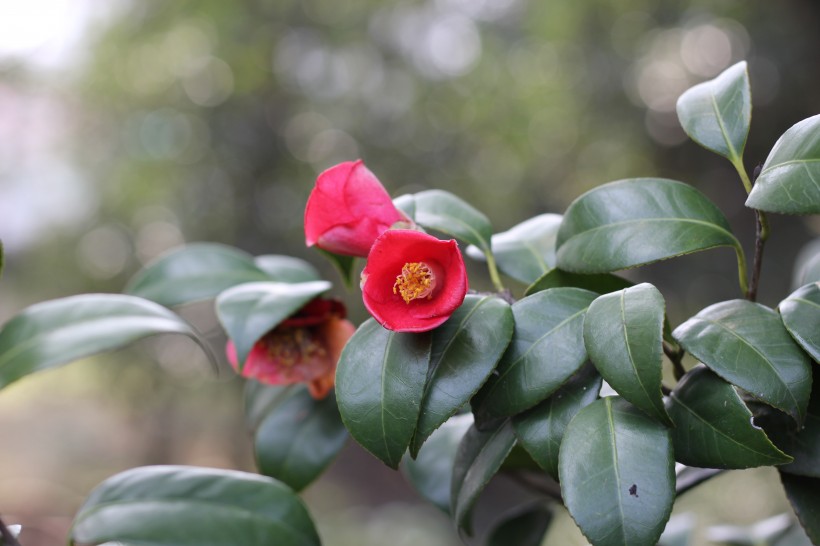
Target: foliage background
(136, 127)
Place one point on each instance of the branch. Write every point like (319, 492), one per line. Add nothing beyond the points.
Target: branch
(761, 234)
(675, 356)
(7, 538)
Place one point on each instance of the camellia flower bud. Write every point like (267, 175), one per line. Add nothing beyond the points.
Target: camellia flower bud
(412, 281)
(303, 348)
(348, 209)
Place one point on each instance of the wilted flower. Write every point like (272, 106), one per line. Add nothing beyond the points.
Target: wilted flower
(412, 281)
(348, 209)
(303, 348)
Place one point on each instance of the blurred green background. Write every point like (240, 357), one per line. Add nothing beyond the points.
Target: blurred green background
(128, 128)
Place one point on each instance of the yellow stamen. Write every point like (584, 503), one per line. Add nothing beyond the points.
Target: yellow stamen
(416, 281)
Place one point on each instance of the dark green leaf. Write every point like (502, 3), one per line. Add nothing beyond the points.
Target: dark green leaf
(479, 457)
(617, 474)
(286, 268)
(804, 495)
(601, 283)
(526, 251)
(465, 351)
(803, 444)
(623, 334)
(638, 221)
(444, 212)
(546, 349)
(194, 272)
(714, 428)
(747, 344)
(790, 180)
(57, 332)
(261, 399)
(345, 265)
(522, 528)
(379, 384)
(432, 471)
(181, 506)
(299, 438)
(716, 114)
(541, 429)
(249, 311)
(801, 316)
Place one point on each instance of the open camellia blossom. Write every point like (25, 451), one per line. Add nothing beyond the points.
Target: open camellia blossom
(412, 281)
(303, 348)
(347, 209)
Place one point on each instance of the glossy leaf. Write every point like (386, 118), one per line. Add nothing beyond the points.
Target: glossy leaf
(431, 473)
(716, 114)
(803, 444)
(286, 268)
(479, 457)
(56, 332)
(801, 316)
(444, 212)
(299, 438)
(790, 180)
(522, 528)
(194, 272)
(261, 399)
(638, 221)
(189, 506)
(249, 311)
(617, 474)
(465, 351)
(804, 495)
(601, 283)
(623, 334)
(527, 250)
(541, 429)
(747, 344)
(379, 385)
(714, 428)
(546, 349)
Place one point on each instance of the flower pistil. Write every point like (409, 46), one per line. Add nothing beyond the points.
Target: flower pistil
(416, 281)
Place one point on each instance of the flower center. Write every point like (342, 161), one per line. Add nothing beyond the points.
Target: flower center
(291, 346)
(416, 281)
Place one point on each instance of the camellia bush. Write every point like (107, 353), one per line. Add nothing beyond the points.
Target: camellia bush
(562, 382)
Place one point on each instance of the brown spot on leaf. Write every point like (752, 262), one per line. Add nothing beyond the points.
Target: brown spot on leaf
(633, 490)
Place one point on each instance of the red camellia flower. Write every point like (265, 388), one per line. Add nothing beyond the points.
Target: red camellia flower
(348, 209)
(303, 348)
(412, 281)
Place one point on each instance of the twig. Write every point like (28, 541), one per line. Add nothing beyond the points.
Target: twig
(689, 477)
(8, 539)
(761, 234)
(676, 358)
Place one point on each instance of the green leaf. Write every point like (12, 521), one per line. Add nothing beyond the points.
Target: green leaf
(189, 506)
(526, 251)
(602, 283)
(522, 528)
(379, 384)
(716, 114)
(714, 428)
(299, 438)
(444, 212)
(807, 265)
(465, 351)
(546, 349)
(541, 429)
(286, 268)
(345, 265)
(56, 332)
(623, 334)
(636, 222)
(801, 316)
(804, 495)
(194, 272)
(261, 399)
(803, 444)
(249, 311)
(746, 344)
(790, 180)
(432, 470)
(479, 457)
(617, 474)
